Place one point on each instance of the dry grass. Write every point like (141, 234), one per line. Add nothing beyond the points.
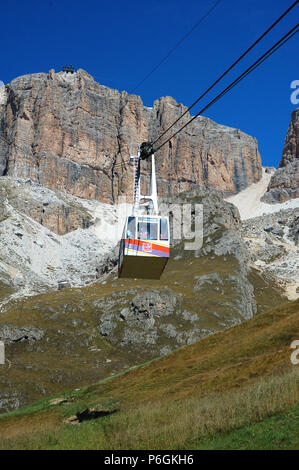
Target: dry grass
(184, 423)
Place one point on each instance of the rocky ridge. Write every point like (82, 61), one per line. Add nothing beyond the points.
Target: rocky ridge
(284, 183)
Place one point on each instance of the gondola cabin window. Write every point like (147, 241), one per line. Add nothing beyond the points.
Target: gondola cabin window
(131, 229)
(163, 229)
(147, 228)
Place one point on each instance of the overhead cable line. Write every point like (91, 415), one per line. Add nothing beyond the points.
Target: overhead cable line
(177, 45)
(229, 69)
(250, 69)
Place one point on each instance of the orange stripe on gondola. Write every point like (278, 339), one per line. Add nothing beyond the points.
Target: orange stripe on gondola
(133, 241)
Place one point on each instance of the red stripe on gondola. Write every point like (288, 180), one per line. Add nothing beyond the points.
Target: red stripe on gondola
(133, 241)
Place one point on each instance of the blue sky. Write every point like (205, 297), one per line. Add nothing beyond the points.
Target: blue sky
(119, 42)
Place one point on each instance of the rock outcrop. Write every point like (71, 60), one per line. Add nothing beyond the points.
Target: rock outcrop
(67, 132)
(55, 210)
(13, 334)
(284, 183)
(273, 242)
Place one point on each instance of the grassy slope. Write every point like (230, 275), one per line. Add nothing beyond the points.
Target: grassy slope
(274, 433)
(247, 366)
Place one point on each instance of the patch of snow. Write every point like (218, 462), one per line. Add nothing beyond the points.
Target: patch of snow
(249, 201)
(3, 95)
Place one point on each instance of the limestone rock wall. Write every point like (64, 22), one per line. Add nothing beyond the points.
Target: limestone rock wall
(67, 132)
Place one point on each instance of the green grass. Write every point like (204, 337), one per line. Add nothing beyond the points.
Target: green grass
(279, 432)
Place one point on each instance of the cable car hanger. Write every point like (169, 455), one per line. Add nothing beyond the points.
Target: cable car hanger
(144, 248)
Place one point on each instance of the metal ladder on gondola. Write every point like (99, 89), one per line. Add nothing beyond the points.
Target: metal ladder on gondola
(152, 197)
(135, 161)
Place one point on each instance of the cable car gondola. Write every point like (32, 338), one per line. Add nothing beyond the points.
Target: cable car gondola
(144, 247)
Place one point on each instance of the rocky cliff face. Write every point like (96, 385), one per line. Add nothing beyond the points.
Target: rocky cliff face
(55, 210)
(67, 132)
(273, 243)
(284, 183)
